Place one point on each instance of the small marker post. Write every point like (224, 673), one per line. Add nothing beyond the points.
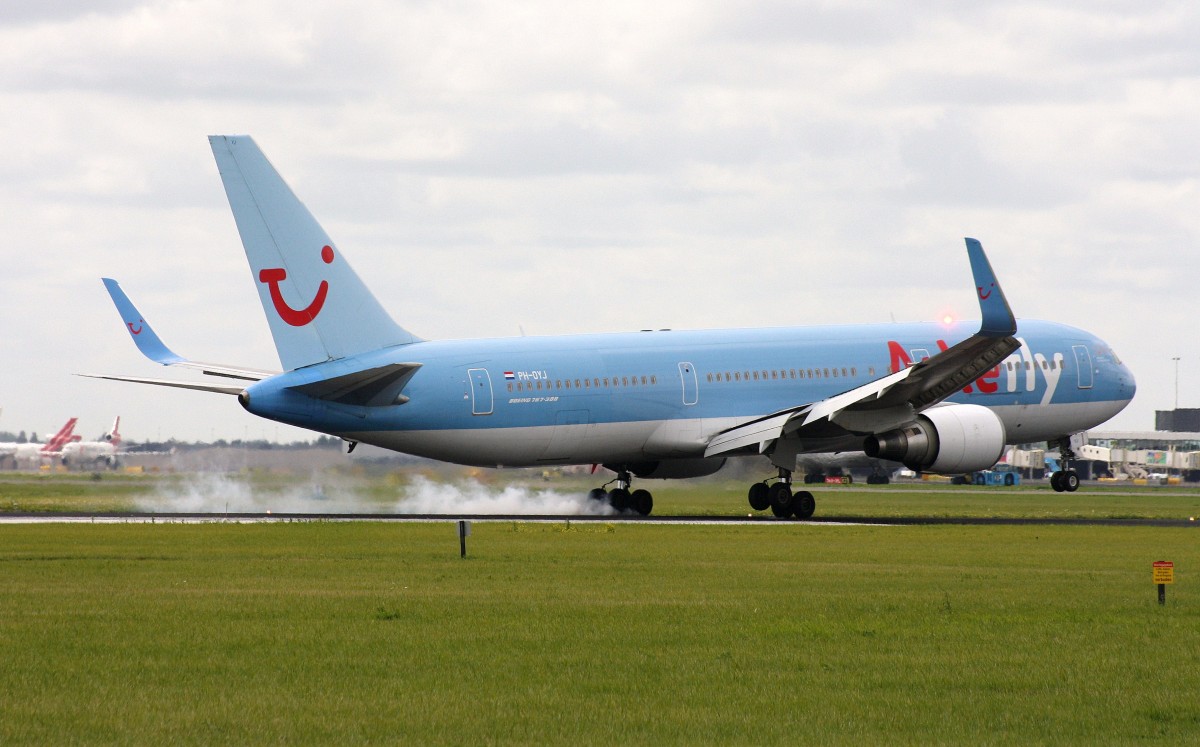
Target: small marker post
(464, 531)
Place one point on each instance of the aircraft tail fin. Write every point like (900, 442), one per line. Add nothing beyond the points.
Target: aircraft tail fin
(113, 436)
(317, 306)
(58, 440)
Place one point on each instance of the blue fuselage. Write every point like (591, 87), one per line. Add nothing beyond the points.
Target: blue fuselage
(657, 395)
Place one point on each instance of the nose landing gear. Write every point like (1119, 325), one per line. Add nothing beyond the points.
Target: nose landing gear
(1065, 480)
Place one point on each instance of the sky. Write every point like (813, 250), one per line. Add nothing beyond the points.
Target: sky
(559, 167)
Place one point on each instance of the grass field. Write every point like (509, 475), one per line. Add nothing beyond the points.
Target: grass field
(594, 634)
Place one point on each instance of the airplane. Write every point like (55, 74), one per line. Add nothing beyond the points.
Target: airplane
(37, 453)
(99, 453)
(940, 398)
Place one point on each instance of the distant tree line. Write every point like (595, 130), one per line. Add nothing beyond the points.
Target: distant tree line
(20, 438)
(321, 442)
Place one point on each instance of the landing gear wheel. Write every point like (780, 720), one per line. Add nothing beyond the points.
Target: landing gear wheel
(597, 494)
(805, 504)
(1069, 481)
(619, 498)
(1056, 482)
(760, 499)
(642, 502)
(780, 495)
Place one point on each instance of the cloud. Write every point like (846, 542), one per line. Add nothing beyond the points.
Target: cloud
(591, 168)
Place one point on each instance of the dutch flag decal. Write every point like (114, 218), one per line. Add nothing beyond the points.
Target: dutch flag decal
(509, 375)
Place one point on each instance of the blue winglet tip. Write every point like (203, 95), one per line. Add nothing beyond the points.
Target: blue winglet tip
(143, 335)
(998, 319)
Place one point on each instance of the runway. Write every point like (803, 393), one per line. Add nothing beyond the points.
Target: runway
(756, 520)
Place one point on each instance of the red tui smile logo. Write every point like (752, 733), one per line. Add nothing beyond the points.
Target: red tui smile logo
(139, 329)
(296, 317)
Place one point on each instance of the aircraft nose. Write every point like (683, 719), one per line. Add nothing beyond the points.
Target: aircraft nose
(1128, 383)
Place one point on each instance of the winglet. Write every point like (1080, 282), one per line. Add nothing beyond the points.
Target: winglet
(153, 348)
(139, 329)
(998, 320)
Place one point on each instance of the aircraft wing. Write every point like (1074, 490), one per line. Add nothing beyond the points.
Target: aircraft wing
(895, 399)
(152, 347)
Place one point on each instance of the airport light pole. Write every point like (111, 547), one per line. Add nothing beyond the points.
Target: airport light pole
(1176, 359)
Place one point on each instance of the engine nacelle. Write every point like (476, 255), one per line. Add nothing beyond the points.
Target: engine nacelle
(947, 440)
(676, 469)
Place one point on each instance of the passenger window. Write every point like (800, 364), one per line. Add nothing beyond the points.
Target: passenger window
(577, 383)
(624, 381)
(835, 373)
(737, 376)
(756, 375)
(843, 373)
(653, 379)
(510, 386)
(644, 380)
(605, 381)
(539, 384)
(825, 373)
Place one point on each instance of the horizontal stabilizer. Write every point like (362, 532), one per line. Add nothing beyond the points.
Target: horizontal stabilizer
(196, 386)
(369, 388)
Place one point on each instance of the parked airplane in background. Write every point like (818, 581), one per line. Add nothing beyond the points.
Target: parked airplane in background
(668, 404)
(94, 454)
(29, 455)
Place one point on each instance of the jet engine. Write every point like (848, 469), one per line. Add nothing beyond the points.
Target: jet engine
(674, 469)
(947, 440)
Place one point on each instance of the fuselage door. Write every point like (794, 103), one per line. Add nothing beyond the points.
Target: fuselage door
(691, 389)
(1083, 364)
(481, 391)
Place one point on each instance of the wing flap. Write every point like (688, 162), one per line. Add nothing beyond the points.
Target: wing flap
(748, 434)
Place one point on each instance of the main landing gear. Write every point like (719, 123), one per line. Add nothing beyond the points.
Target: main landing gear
(780, 499)
(1065, 480)
(620, 497)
